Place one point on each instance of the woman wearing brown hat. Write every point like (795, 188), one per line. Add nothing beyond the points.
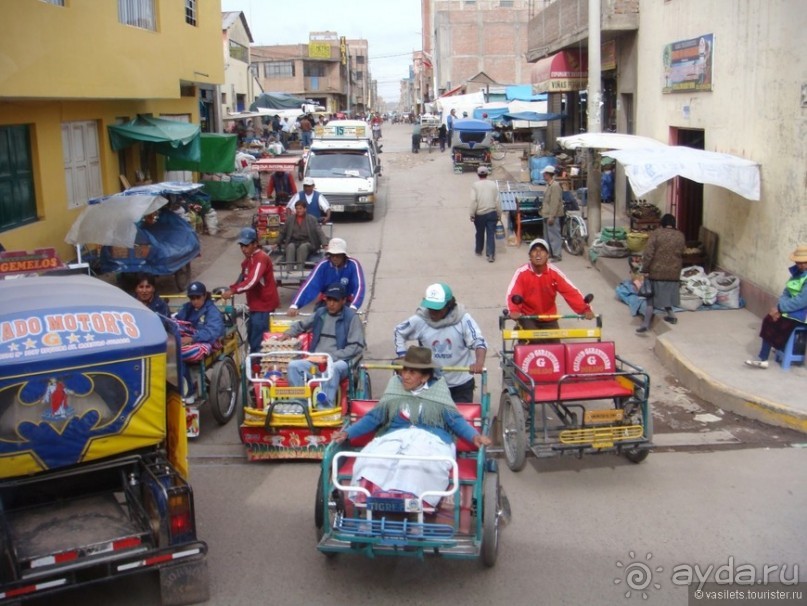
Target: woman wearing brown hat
(790, 310)
(416, 416)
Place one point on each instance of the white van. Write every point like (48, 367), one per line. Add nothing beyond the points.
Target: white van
(350, 130)
(346, 172)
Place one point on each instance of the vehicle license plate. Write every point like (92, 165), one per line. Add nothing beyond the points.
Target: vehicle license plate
(338, 208)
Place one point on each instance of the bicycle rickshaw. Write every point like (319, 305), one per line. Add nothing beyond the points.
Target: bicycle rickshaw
(138, 231)
(216, 380)
(429, 131)
(271, 215)
(287, 422)
(471, 141)
(576, 397)
(364, 520)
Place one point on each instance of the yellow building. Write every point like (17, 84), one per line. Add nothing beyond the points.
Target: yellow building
(71, 68)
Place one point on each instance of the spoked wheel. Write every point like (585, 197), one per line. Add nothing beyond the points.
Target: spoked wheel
(490, 519)
(575, 243)
(637, 455)
(223, 390)
(497, 152)
(514, 433)
(182, 277)
(321, 513)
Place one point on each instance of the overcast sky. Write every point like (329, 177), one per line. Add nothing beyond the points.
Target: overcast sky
(391, 28)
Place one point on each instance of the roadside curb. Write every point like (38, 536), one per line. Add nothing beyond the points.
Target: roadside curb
(725, 396)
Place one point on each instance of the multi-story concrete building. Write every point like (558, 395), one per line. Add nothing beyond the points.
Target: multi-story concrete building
(317, 70)
(695, 74)
(240, 86)
(360, 92)
(463, 38)
(72, 68)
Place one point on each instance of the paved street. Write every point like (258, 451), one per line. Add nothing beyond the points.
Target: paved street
(718, 489)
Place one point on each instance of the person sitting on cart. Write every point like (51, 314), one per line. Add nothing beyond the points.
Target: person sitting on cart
(536, 284)
(257, 281)
(337, 266)
(416, 416)
(146, 293)
(451, 333)
(282, 185)
(336, 330)
(316, 204)
(301, 237)
(201, 328)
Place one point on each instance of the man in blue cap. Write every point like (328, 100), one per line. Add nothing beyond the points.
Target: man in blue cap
(257, 281)
(336, 330)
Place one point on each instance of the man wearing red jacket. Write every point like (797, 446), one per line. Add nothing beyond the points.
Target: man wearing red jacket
(538, 283)
(257, 280)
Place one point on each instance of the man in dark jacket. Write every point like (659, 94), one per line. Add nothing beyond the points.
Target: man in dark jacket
(337, 331)
(302, 236)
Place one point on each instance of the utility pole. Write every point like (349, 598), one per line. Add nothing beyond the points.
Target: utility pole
(594, 105)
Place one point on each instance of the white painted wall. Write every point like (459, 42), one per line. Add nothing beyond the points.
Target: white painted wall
(754, 111)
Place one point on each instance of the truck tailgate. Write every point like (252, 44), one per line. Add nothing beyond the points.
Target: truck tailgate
(70, 530)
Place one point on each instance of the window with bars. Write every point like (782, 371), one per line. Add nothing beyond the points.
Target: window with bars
(278, 69)
(54, 2)
(137, 13)
(82, 162)
(506, 3)
(190, 12)
(17, 195)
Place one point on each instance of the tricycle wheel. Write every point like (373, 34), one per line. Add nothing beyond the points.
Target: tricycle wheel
(636, 455)
(223, 390)
(514, 434)
(182, 277)
(321, 513)
(490, 519)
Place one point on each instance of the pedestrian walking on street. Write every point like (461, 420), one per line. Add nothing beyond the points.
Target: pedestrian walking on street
(552, 212)
(662, 260)
(486, 212)
(416, 137)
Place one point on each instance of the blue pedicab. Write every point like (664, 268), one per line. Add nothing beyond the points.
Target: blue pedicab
(464, 524)
(471, 141)
(138, 232)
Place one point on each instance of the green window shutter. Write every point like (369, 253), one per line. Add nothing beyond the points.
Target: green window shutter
(17, 199)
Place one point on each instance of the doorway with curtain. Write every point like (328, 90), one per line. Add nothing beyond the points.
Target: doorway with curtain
(687, 195)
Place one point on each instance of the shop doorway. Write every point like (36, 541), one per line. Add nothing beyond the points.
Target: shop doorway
(687, 196)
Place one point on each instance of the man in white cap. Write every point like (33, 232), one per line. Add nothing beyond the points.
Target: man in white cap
(336, 267)
(316, 204)
(486, 212)
(535, 286)
(454, 337)
(552, 212)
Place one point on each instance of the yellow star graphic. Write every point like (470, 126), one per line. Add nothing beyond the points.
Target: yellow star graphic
(73, 338)
(29, 344)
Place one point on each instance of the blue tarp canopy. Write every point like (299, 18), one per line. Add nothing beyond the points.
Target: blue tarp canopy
(472, 125)
(522, 92)
(533, 116)
(493, 114)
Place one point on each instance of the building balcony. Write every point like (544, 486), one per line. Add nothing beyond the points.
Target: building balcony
(564, 23)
